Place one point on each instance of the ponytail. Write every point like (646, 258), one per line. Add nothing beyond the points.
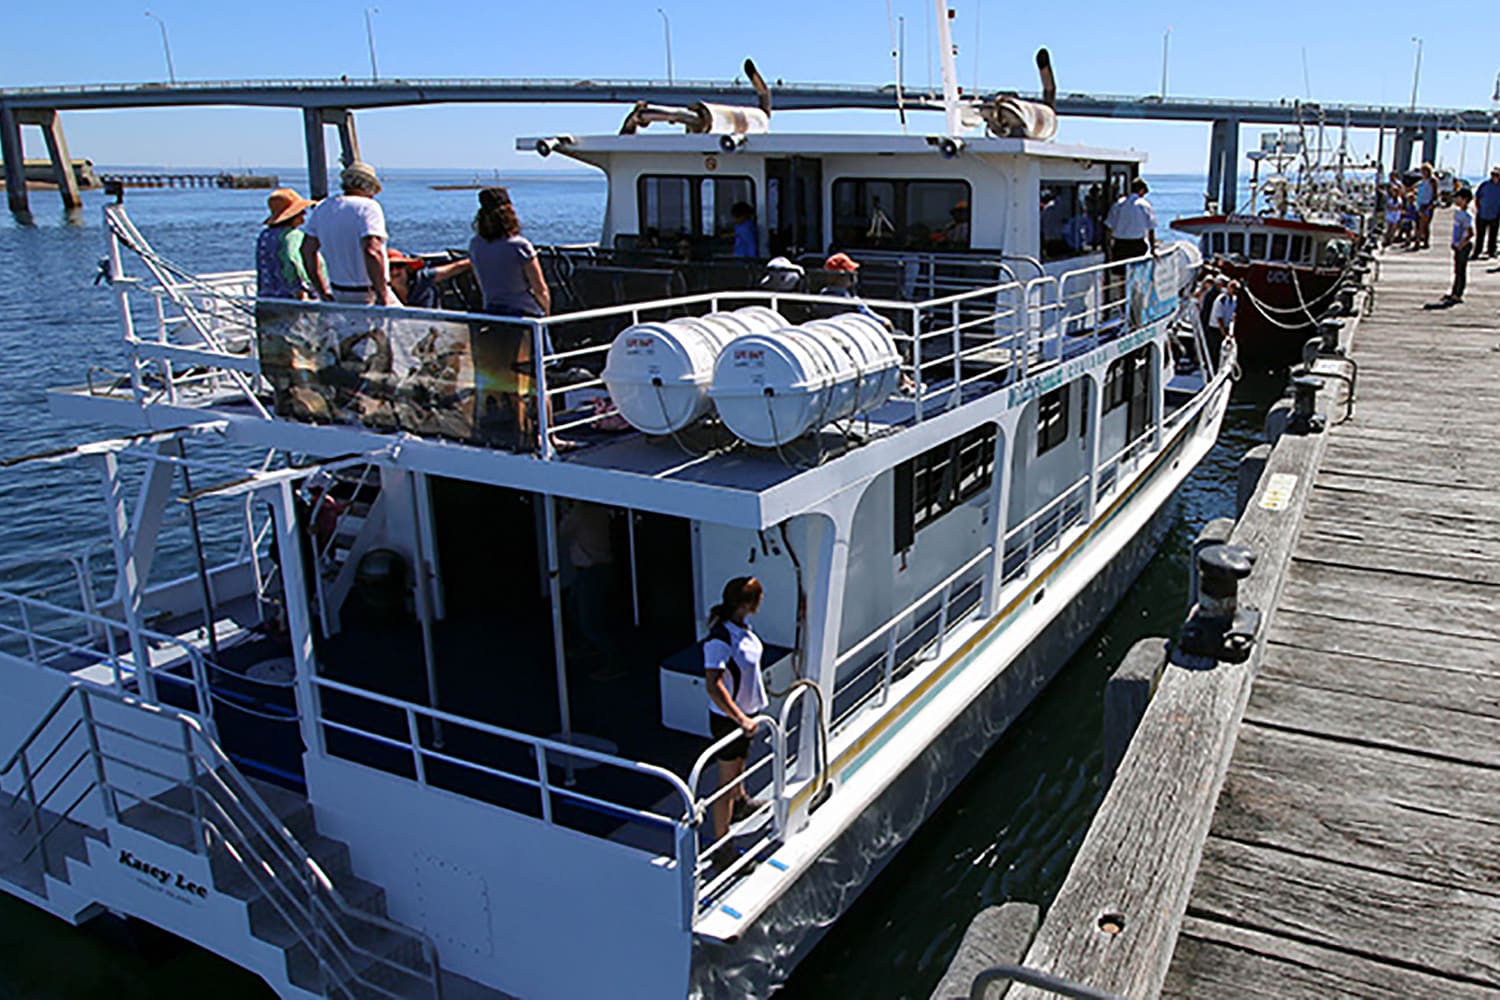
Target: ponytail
(738, 591)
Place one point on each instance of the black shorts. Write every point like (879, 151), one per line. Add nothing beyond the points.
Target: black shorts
(721, 726)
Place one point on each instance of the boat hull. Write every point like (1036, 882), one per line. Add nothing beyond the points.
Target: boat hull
(762, 958)
(1279, 315)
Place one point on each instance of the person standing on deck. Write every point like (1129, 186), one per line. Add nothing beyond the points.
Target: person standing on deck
(1463, 245)
(349, 229)
(1222, 318)
(280, 272)
(1132, 224)
(737, 694)
(1487, 214)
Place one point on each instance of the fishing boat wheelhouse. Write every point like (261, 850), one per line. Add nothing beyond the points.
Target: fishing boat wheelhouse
(357, 753)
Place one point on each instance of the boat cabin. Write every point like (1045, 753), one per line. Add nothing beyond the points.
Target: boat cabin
(1266, 239)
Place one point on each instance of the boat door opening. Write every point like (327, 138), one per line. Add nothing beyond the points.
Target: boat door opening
(794, 205)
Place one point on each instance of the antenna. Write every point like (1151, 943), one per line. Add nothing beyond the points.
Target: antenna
(896, 61)
(946, 53)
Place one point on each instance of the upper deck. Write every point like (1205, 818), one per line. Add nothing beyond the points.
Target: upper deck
(431, 388)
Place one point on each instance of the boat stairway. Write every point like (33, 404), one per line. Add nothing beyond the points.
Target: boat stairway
(25, 866)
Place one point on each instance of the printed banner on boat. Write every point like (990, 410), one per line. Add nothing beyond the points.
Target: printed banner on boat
(418, 374)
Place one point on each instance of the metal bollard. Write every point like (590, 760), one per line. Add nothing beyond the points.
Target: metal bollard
(1329, 332)
(1305, 419)
(1219, 627)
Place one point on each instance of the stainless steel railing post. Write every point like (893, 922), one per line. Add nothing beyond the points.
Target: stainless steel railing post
(111, 807)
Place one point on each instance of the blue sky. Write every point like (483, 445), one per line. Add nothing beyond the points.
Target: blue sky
(1224, 50)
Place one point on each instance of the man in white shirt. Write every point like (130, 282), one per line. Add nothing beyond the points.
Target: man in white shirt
(1221, 320)
(1131, 223)
(349, 229)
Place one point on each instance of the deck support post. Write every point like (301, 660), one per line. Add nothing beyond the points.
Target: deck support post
(128, 584)
(999, 511)
(1093, 406)
(299, 620)
(826, 561)
(57, 150)
(317, 153)
(14, 155)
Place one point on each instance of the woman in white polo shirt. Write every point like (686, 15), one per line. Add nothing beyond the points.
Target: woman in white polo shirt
(737, 693)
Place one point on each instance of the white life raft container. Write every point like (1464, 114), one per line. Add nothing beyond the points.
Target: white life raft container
(771, 388)
(658, 373)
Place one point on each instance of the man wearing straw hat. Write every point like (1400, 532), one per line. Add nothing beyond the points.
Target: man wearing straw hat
(279, 269)
(349, 229)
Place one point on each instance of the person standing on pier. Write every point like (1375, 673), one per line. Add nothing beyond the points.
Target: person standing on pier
(1426, 190)
(1487, 214)
(1132, 224)
(1463, 244)
(349, 229)
(279, 269)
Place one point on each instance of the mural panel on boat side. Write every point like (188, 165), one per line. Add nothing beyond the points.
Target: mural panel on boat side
(423, 375)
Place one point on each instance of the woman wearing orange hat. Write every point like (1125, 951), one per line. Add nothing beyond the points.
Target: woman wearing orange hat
(279, 270)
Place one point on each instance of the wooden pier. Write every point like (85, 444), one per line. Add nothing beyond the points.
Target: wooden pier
(148, 179)
(1323, 820)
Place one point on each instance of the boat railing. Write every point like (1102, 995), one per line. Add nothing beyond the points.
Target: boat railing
(451, 752)
(517, 383)
(71, 580)
(709, 875)
(1116, 468)
(152, 758)
(1043, 530)
(115, 655)
(911, 634)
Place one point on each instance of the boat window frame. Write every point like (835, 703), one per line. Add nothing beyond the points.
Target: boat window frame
(1230, 241)
(1279, 244)
(1257, 246)
(941, 479)
(1053, 418)
(897, 213)
(695, 184)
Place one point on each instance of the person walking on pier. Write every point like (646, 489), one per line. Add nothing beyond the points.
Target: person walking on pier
(349, 229)
(1463, 244)
(280, 272)
(1487, 214)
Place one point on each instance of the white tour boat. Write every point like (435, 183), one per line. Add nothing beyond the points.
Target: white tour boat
(357, 754)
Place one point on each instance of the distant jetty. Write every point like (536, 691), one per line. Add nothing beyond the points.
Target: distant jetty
(194, 180)
(39, 175)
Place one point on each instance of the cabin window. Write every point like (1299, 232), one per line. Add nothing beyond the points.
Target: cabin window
(1072, 218)
(1052, 419)
(1236, 244)
(1116, 385)
(902, 214)
(1278, 246)
(1218, 243)
(1299, 248)
(1257, 246)
(671, 208)
(940, 479)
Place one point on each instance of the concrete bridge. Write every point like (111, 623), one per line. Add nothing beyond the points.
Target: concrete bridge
(333, 103)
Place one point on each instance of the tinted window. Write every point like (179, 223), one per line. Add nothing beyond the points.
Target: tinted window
(940, 479)
(1236, 243)
(672, 208)
(902, 214)
(1072, 219)
(1258, 246)
(1052, 419)
(1278, 246)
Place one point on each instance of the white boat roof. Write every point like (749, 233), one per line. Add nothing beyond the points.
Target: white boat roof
(820, 144)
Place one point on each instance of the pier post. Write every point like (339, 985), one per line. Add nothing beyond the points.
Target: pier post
(1216, 140)
(1430, 144)
(317, 153)
(14, 155)
(1229, 198)
(348, 137)
(57, 148)
(1401, 155)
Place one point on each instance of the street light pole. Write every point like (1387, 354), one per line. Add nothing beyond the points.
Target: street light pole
(1494, 103)
(1165, 37)
(165, 46)
(1416, 73)
(370, 37)
(666, 23)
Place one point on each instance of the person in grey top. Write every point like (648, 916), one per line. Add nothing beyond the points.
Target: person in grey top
(505, 262)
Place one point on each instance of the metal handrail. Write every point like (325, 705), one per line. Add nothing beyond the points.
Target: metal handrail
(207, 761)
(1014, 972)
(556, 746)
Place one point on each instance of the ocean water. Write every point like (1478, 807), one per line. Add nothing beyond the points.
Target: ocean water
(1009, 832)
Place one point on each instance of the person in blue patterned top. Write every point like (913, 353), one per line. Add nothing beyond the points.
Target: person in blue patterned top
(279, 270)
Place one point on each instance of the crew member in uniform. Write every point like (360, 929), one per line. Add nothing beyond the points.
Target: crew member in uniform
(737, 694)
(1132, 224)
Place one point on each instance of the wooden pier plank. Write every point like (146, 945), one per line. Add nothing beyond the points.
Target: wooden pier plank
(1420, 925)
(1353, 846)
(1222, 960)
